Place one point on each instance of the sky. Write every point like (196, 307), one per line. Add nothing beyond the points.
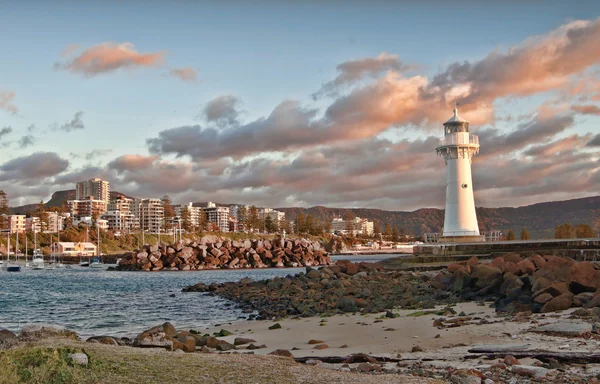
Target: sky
(282, 104)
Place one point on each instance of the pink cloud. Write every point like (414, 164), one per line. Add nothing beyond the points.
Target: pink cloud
(186, 74)
(109, 57)
(6, 102)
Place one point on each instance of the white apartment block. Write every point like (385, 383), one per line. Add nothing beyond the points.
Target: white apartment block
(195, 213)
(55, 222)
(218, 216)
(150, 214)
(16, 223)
(32, 224)
(120, 220)
(86, 207)
(121, 203)
(276, 216)
(356, 226)
(97, 188)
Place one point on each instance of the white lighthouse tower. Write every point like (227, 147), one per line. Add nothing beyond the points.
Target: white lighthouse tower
(457, 147)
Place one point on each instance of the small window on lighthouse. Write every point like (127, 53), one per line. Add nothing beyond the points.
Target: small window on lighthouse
(465, 186)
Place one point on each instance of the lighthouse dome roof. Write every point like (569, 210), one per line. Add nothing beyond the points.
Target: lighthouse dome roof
(456, 118)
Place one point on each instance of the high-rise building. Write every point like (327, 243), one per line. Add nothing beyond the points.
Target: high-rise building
(119, 215)
(16, 223)
(194, 213)
(218, 215)
(150, 214)
(356, 226)
(97, 188)
(89, 207)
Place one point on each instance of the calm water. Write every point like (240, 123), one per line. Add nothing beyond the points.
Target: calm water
(94, 302)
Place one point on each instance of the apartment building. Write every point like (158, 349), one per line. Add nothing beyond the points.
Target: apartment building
(120, 203)
(32, 224)
(195, 213)
(16, 223)
(120, 220)
(97, 188)
(355, 226)
(149, 213)
(86, 207)
(276, 216)
(218, 215)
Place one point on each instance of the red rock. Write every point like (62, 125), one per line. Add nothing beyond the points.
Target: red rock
(321, 346)
(282, 353)
(558, 303)
(472, 261)
(457, 267)
(583, 276)
(498, 262)
(510, 267)
(555, 289)
(511, 360)
(543, 298)
(313, 341)
(526, 267)
(512, 257)
(538, 260)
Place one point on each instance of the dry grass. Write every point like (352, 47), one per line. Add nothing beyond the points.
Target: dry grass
(110, 364)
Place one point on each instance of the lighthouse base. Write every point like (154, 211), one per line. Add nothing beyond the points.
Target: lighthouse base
(461, 239)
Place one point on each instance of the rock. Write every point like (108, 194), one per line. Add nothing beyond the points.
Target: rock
(275, 326)
(558, 303)
(242, 341)
(543, 298)
(498, 348)
(157, 337)
(213, 342)
(41, 331)
(169, 329)
(417, 348)
(511, 360)
(512, 257)
(225, 346)
(282, 353)
(526, 267)
(583, 278)
(368, 367)
(347, 304)
(538, 261)
(79, 358)
(466, 376)
(555, 289)
(313, 341)
(189, 343)
(253, 347)
(565, 329)
(321, 346)
(530, 371)
(5, 334)
(107, 340)
(343, 346)
(582, 299)
(223, 333)
(486, 276)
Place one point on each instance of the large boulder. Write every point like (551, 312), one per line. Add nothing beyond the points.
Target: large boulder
(160, 336)
(486, 276)
(583, 277)
(558, 303)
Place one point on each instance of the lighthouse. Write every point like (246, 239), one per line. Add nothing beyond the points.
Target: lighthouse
(457, 147)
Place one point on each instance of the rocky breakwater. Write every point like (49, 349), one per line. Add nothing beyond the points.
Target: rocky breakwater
(206, 253)
(538, 284)
(340, 288)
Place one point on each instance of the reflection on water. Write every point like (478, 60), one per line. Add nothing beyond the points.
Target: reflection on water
(93, 302)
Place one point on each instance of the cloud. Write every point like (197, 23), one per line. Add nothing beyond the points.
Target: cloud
(595, 142)
(568, 144)
(131, 163)
(223, 111)
(36, 166)
(5, 131)
(75, 124)
(187, 74)
(26, 141)
(355, 70)
(109, 57)
(586, 109)
(94, 153)
(7, 102)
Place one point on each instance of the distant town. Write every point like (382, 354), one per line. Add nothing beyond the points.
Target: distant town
(93, 206)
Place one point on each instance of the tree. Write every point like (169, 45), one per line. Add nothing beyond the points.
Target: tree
(202, 220)
(376, 228)
(388, 230)
(510, 235)
(395, 235)
(168, 212)
(284, 225)
(253, 220)
(403, 237)
(42, 213)
(564, 231)
(269, 225)
(299, 224)
(4, 210)
(186, 220)
(584, 231)
(327, 226)
(525, 234)
(309, 224)
(242, 216)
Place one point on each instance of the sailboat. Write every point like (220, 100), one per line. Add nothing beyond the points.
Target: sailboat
(51, 262)
(8, 266)
(26, 262)
(37, 262)
(97, 261)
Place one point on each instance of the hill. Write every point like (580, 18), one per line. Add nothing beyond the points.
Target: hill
(539, 219)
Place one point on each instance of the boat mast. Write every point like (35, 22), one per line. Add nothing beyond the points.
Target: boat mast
(98, 228)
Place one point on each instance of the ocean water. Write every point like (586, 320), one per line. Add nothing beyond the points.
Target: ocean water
(100, 302)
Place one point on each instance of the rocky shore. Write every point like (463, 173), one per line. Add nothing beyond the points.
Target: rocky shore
(336, 289)
(211, 253)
